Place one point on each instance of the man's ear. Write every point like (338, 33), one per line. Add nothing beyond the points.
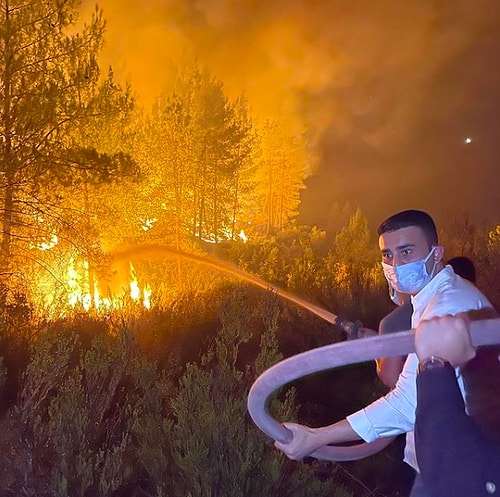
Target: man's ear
(438, 253)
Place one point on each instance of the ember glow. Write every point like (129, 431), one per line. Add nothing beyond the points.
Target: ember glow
(147, 224)
(243, 236)
(78, 288)
(136, 293)
(49, 244)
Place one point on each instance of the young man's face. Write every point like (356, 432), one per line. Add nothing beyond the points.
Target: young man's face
(407, 245)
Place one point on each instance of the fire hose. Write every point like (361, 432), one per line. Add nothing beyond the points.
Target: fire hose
(485, 332)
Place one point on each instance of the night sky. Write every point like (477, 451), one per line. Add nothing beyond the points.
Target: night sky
(388, 91)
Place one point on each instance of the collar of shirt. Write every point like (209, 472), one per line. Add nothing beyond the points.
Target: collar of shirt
(422, 298)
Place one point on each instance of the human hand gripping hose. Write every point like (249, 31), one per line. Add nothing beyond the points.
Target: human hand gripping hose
(485, 332)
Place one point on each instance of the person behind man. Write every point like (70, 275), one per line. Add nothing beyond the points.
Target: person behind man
(454, 455)
(464, 267)
(412, 261)
(389, 368)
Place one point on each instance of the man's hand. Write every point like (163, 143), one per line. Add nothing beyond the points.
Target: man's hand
(366, 333)
(302, 444)
(446, 337)
(306, 440)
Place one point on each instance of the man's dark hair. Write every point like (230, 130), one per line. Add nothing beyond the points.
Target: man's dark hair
(411, 217)
(464, 267)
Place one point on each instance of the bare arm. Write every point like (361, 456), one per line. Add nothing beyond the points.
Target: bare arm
(306, 440)
(389, 369)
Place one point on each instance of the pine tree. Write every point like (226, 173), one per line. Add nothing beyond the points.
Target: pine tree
(279, 178)
(216, 448)
(199, 143)
(49, 88)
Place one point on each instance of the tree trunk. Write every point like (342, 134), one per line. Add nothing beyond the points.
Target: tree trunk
(7, 152)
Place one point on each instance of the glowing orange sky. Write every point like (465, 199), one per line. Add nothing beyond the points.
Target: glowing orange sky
(280, 51)
(363, 77)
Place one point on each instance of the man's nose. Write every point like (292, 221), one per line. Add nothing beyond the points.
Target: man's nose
(396, 260)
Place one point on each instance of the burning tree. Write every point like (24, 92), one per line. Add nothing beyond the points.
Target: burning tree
(50, 91)
(279, 178)
(198, 142)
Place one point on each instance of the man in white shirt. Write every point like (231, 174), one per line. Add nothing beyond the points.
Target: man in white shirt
(412, 261)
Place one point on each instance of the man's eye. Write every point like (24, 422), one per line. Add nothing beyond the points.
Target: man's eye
(406, 252)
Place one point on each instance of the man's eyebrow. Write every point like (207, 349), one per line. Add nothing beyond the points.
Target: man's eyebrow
(405, 246)
(399, 247)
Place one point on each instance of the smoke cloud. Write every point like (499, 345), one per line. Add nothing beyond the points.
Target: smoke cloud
(387, 90)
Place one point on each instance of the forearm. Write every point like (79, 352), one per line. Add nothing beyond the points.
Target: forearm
(307, 440)
(337, 433)
(437, 389)
(392, 414)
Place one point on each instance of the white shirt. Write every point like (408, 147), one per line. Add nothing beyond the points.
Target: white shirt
(394, 413)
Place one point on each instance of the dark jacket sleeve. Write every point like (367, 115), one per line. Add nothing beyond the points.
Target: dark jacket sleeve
(454, 457)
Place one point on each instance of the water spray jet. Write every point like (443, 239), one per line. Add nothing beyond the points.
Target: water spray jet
(157, 250)
(484, 332)
(297, 366)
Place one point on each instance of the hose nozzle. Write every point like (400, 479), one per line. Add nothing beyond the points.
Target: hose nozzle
(350, 328)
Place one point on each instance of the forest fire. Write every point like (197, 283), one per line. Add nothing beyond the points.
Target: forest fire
(54, 240)
(243, 236)
(135, 291)
(80, 288)
(84, 290)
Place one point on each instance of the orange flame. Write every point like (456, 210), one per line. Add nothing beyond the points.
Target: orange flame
(80, 293)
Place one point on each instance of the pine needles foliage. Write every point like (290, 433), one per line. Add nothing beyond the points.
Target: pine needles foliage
(99, 418)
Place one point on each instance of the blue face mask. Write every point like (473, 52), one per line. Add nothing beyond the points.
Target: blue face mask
(409, 278)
